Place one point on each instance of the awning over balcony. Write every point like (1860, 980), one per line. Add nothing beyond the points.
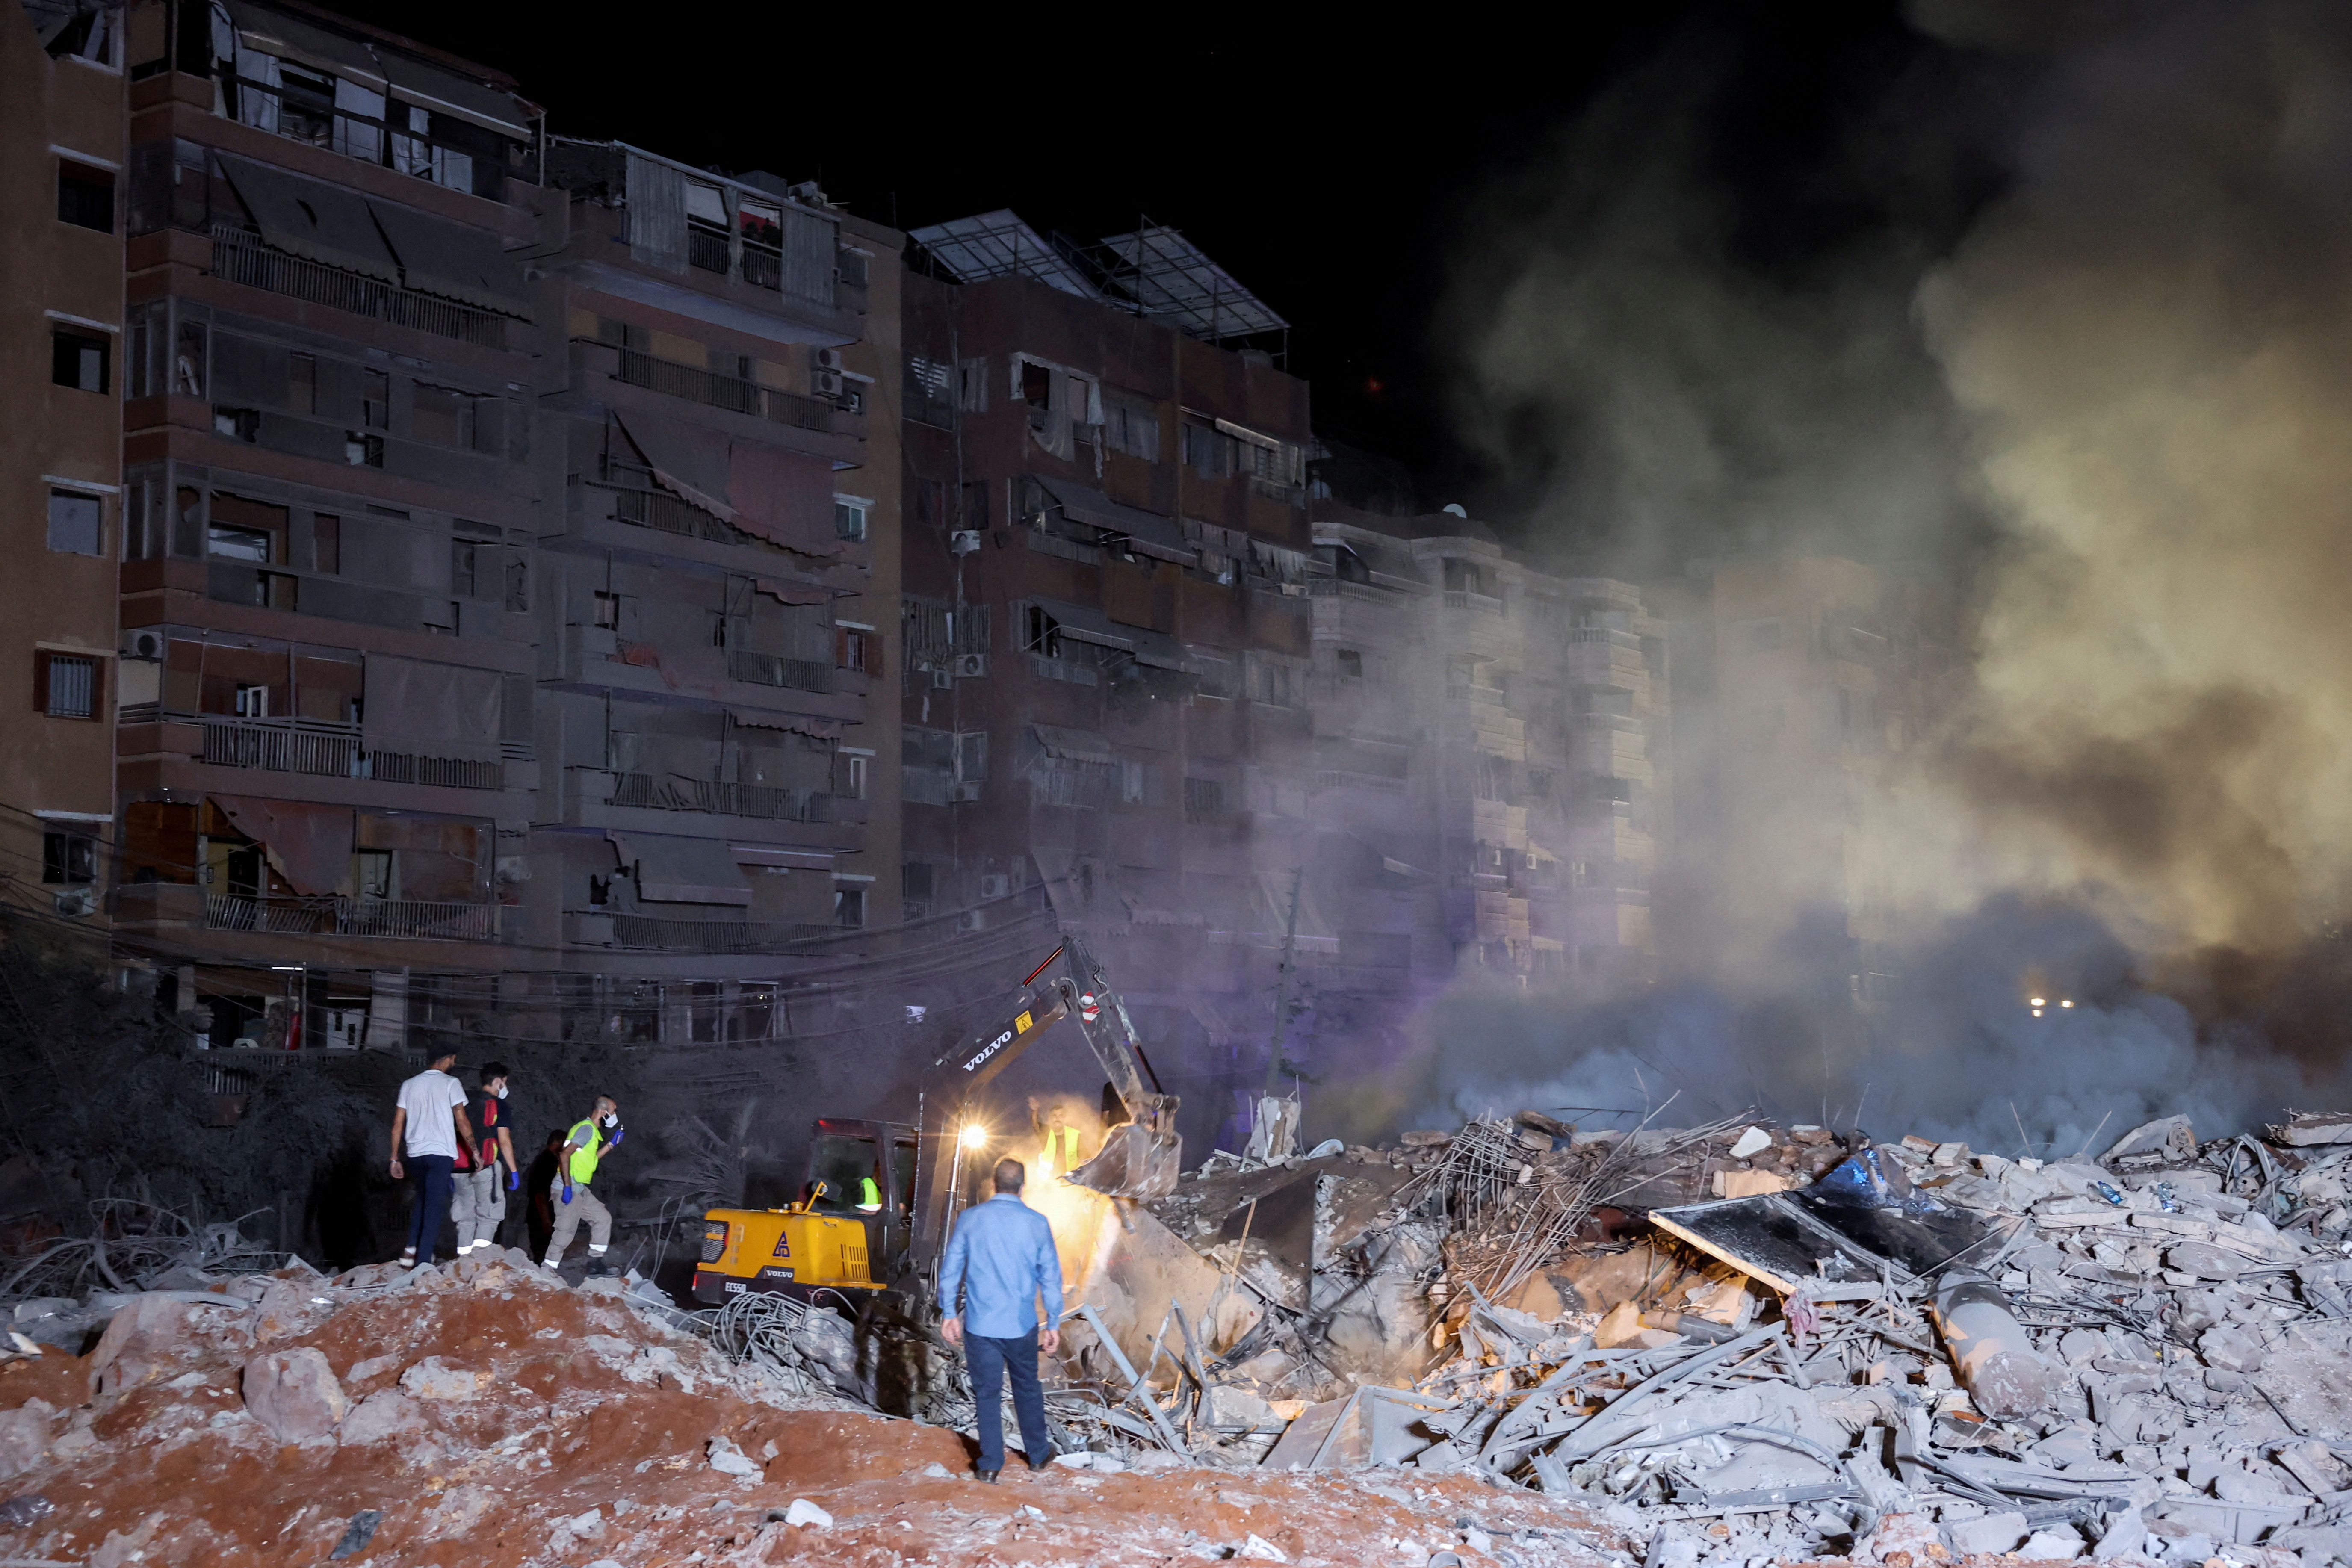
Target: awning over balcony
(431, 710)
(316, 221)
(1147, 534)
(1083, 623)
(689, 462)
(307, 843)
(452, 261)
(1076, 745)
(683, 870)
(785, 498)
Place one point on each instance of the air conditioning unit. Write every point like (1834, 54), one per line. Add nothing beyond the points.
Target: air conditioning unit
(1532, 859)
(826, 358)
(825, 382)
(970, 666)
(963, 794)
(76, 902)
(942, 680)
(964, 541)
(993, 884)
(143, 642)
(972, 920)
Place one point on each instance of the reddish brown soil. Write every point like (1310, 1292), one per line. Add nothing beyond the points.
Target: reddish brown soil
(558, 1431)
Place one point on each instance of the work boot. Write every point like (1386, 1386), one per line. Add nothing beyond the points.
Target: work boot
(988, 1476)
(1037, 1464)
(596, 1268)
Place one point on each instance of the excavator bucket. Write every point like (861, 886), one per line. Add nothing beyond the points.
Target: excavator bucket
(1135, 1161)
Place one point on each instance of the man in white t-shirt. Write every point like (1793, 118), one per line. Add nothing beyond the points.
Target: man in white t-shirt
(426, 1129)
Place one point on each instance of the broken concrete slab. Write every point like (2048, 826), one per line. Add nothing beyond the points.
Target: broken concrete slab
(294, 1394)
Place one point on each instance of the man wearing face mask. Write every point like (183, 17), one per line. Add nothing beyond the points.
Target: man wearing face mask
(480, 1200)
(590, 1140)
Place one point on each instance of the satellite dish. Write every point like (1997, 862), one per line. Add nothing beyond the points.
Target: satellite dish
(1456, 508)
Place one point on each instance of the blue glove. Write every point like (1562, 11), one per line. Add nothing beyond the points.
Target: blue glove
(615, 1141)
(567, 1192)
(514, 1181)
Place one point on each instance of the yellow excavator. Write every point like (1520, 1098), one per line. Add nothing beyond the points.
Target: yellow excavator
(847, 1240)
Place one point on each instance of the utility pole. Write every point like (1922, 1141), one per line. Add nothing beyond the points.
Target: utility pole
(1282, 986)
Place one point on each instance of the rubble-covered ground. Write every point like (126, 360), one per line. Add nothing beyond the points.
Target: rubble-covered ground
(1510, 1343)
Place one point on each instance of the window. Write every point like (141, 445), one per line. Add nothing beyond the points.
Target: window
(66, 684)
(68, 858)
(1131, 425)
(188, 361)
(234, 544)
(376, 399)
(237, 424)
(849, 907)
(363, 449)
(608, 610)
(1352, 664)
(74, 523)
(78, 360)
(442, 415)
(1037, 385)
(853, 648)
(1205, 800)
(848, 518)
(85, 197)
(1132, 786)
(372, 873)
(706, 226)
(853, 776)
(303, 382)
(915, 882)
(251, 702)
(462, 561)
(1463, 577)
(327, 544)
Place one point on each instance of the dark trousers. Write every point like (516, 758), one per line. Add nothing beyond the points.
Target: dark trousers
(990, 1360)
(431, 1173)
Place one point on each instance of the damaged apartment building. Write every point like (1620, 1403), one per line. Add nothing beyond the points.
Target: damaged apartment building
(1492, 742)
(486, 506)
(1107, 624)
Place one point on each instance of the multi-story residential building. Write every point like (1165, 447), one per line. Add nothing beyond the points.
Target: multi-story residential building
(1800, 680)
(1491, 739)
(718, 593)
(62, 160)
(1107, 624)
(489, 504)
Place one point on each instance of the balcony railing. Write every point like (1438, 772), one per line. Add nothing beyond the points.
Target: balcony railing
(1492, 696)
(773, 669)
(1462, 599)
(334, 915)
(764, 268)
(647, 792)
(1339, 778)
(316, 746)
(712, 936)
(706, 386)
(242, 257)
(706, 250)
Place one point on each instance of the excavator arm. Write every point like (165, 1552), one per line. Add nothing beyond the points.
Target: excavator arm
(1139, 1158)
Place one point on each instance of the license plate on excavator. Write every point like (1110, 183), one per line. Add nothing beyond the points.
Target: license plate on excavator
(1134, 1162)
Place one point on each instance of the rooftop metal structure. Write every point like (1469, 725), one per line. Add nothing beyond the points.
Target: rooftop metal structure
(999, 245)
(1170, 278)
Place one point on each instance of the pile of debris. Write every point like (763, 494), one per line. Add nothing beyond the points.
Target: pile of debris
(1743, 1342)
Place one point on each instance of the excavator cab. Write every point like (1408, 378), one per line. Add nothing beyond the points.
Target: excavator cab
(848, 1233)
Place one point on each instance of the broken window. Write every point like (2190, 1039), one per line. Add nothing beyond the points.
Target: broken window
(363, 449)
(849, 907)
(85, 197)
(608, 610)
(75, 526)
(188, 362)
(1205, 800)
(234, 544)
(306, 104)
(77, 359)
(1352, 664)
(67, 684)
(68, 858)
(94, 35)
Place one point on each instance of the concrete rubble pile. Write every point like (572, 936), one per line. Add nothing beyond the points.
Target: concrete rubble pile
(1744, 1342)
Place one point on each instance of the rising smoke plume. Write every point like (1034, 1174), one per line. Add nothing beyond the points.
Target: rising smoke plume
(2083, 351)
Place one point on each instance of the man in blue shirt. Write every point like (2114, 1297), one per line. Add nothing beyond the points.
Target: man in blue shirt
(1000, 1260)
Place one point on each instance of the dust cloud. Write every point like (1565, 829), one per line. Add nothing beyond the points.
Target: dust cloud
(2073, 339)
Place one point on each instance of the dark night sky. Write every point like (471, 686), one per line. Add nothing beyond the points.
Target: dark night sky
(1330, 172)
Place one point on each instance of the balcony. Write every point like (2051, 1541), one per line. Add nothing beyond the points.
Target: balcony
(774, 670)
(729, 392)
(765, 802)
(1462, 599)
(322, 748)
(1492, 696)
(334, 915)
(241, 257)
(664, 935)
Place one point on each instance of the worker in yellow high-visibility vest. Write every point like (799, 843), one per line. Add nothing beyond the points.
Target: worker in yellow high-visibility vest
(1063, 1145)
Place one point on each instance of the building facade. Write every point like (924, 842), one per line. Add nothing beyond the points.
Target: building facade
(487, 504)
(62, 144)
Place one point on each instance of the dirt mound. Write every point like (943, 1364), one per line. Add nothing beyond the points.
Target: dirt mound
(488, 1415)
